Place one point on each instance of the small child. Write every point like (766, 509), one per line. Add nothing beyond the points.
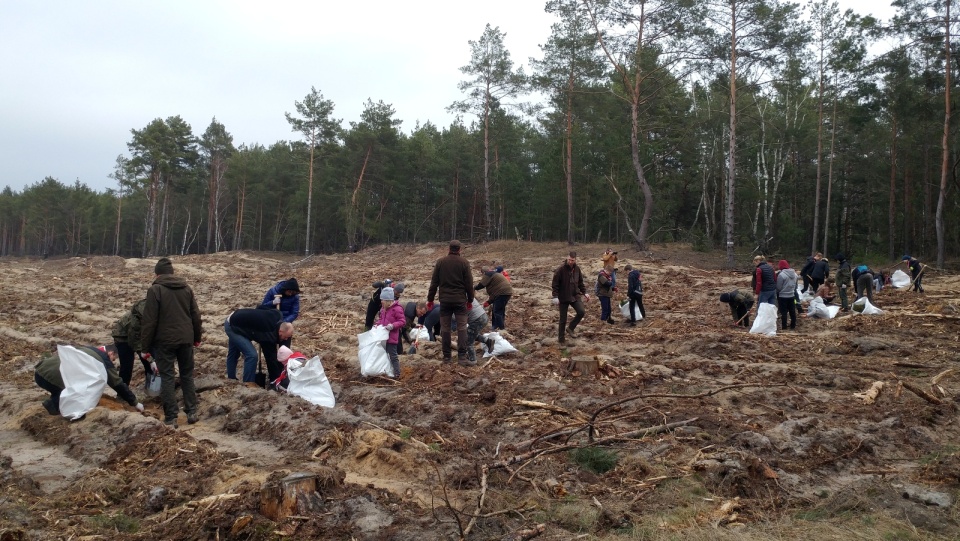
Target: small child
(391, 317)
(604, 293)
(284, 354)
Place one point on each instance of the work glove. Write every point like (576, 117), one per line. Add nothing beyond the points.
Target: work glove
(388, 326)
(429, 306)
(139, 407)
(555, 301)
(469, 306)
(196, 344)
(276, 301)
(586, 297)
(146, 356)
(486, 304)
(615, 289)
(153, 368)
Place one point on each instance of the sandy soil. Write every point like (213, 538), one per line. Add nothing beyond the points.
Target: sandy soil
(746, 432)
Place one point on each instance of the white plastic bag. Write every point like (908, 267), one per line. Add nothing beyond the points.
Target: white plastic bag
(372, 351)
(309, 382)
(153, 385)
(863, 306)
(84, 379)
(625, 310)
(820, 309)
(766, 321)
(900, 279)
(419, 333)
(500, 345)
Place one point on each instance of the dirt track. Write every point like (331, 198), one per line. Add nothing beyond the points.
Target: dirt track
(787, 446)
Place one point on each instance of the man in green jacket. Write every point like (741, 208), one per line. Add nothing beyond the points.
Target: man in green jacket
(568, 290)
(126, 336)
(47, 376)
(171, 329)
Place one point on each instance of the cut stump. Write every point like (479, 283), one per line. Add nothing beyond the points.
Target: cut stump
(295, 494)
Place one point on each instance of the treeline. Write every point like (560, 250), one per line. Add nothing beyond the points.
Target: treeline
(755, 124)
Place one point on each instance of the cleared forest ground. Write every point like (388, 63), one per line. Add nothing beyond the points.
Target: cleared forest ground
(709, 432)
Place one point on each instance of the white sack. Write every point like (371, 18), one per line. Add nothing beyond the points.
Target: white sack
(868, 308)
(808, 296)
(819, 309)
(766, 320)
(625, 310)
(84, 379)
(419, 333)
(309, 382)
(900, 279)
(153, 385)
(372, 351)
(500, 345)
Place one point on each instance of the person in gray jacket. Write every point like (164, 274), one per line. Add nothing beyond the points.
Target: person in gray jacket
(787, 294)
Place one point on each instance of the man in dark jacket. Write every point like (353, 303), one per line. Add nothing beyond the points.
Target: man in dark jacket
(499, 291)
(635, 293)
(47, 376)
(373, 307)
(916, 272)
(265, 327)
(740, 304)
(286, 296)
(454, 281)
(171, 329)
(414, 313)
(567, 288)
(126, 337)
(820, 272)
(805, 273)
(844, 279)
(764, 281)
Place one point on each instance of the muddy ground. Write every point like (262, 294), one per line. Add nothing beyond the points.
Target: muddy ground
(699, 429)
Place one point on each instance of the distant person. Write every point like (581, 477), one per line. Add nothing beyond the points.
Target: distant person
(244, 327)
(413, 313)
(126, 337)
(284, 296)
(499, 292)
(786, 294)
(820, 272)
(825, 291)
(391, 317)
(476, 321)
(764, 281)
(568, 291)
(454, 281)
(805, 273)
(740, 304)
(171, 330)
(605, 294)
(635, 293)
(844, 281)
(863, 282)
(47, 376)
(373, 307)
(609, 259)
(916, 272)
(431, 322)
(284, 356)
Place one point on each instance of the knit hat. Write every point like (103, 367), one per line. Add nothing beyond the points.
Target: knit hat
(283, 354)
(840, 257)
(724, 297)
(455, 246)
(905, 258)
(386, 294)
(783, 264)
(291, 285)
(499, 269)
(164, 266)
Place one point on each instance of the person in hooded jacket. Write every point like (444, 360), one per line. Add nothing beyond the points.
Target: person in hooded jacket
(786, 294)
(171, 328)
(635, 293)
(605, 294)
(844, 279)
(392, 318)
(289, 301)
(740, 304)
(47, 376)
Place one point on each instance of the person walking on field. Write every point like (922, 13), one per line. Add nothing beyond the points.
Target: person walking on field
(454, 281)
(499, 291)
(171, 329)
(605, 293)
(635, 293)
(786, 294)
(916, 272)
(844, 278)
(764, 281)
(568, 291)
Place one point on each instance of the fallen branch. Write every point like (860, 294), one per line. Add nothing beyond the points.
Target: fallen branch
(871, 394)
(938, 316)
(917, 391)
(935, 383)
(542, 405)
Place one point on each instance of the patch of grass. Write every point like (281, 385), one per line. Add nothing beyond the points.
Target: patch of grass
(120, 523)
(573, 516)
(406, 433)
(595, 459)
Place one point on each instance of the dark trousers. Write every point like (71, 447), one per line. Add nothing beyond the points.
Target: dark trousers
(49, 387)
(742, 312)
(815, 284)
(458, 311)
(865, 286)
(126, 354)
(500, 312)
(604, 308)
(578, 308)
(788, 305)
(392, 352)
(806, 284)
(844, 303)
(917, 278)
(182, 355)
(373, 308)
(636, 303)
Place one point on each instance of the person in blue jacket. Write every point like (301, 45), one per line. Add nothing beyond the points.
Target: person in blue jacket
(289, 301)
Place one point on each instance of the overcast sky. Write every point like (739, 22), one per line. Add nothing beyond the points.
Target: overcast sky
(77, 76)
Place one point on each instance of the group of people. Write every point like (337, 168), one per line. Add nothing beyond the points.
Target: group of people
(779, 287)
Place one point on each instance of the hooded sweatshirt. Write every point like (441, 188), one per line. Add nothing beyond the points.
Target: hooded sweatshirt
(170, 315)
(289, 306)
(786, 282)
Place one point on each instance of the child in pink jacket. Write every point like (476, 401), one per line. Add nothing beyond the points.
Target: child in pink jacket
(391, 317)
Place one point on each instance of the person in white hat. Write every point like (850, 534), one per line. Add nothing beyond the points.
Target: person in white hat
(391, 317)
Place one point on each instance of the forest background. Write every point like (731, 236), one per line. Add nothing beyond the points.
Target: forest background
(749, 126)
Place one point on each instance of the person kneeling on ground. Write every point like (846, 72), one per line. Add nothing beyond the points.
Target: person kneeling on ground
(740, 304)
(284, 355)
(47, 375)
(825, 291)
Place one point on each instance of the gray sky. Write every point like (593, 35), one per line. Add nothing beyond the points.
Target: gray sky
(77, 76)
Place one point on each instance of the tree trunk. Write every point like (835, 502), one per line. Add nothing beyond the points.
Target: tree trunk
(891, 208)
(295, 494)
(569, 161)
(816, 196)
(833, 140)
(945, 162)
(306, 249)
(486, 158)
(732, 158)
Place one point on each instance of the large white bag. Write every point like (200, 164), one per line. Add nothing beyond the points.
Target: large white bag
(900, 279)
(766, 321)
(500, 345)
(863, 306)
(625, 311)
(419, 333)
(372, 351)
(820, 309)
(309, 382)
(84, 379)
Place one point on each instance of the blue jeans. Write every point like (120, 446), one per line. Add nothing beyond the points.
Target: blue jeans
(236, 345)
(500, 312)
(604, 308)
(769, 297)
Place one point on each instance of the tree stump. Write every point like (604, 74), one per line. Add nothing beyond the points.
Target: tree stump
(583, 366)
(295, 494)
